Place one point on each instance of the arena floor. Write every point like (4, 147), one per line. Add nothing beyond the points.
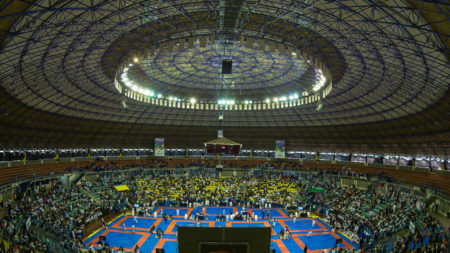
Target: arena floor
(317, 237)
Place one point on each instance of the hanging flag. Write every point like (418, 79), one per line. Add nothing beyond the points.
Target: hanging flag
(89, 153)
(159, 147)
(121, 153)
(414, 163)
(280, 149)
(251, 153)
(317, 156)
(56, 158)
(24, 156)
(187, 153)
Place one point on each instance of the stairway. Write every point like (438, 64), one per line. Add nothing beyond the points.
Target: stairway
(91, 195)
(430, 200)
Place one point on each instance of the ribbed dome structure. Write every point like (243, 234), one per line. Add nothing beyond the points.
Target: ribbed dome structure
(363, 76)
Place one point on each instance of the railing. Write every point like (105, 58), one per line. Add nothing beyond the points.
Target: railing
(442, 172)
(239, 158)
(212, 158)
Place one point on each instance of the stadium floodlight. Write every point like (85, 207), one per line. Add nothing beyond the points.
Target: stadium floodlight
(148, 92)
(275, 99)
(319, 107)
(159, 96)
(192, 100)
(124, 105)
(267, 100)
(136, 60)
(170, 98)
(283, 98)
(295, 96)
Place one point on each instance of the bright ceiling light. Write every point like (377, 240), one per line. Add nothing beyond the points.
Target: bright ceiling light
(268, 100)
(136, 60)
(159, 96)
(192, 100)
(275, 100)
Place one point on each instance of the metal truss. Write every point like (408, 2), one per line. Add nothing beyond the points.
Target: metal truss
(390, 58)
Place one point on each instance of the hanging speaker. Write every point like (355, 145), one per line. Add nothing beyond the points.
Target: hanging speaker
(227, 65)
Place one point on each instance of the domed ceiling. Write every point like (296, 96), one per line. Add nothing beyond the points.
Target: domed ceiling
(309, 67)
(197, 72)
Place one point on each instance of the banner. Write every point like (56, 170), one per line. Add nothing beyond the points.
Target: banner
(93, 216)
(159, 146)
(280, 149)
(121, 188)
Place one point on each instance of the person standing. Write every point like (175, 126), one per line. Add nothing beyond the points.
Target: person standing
(133, 225)
(104, 224)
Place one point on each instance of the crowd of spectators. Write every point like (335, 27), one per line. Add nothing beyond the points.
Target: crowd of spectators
(372, 218)
(60, 212)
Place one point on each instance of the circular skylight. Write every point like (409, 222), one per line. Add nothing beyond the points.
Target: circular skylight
(258, 76)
